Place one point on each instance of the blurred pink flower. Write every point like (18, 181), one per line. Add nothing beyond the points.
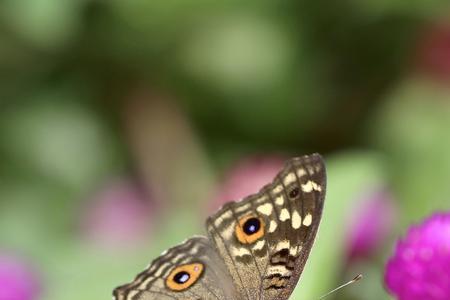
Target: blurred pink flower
(420, 265)
(434, 51)
(118, 215)
(247, 177)
(371, 224)
(18, 280)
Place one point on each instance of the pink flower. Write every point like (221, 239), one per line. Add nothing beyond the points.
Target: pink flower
(373, 220)
(247, 177)
(420, 266)
(118, 215)
(18, 280)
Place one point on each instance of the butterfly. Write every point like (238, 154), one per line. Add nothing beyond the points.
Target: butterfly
(256, 248)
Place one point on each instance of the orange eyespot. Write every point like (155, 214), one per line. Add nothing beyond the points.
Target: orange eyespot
(184, 276)
(249, 229)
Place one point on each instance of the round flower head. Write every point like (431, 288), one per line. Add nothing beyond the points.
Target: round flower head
(373, 219)
(118, 216)
(18, 280)
(420, 266)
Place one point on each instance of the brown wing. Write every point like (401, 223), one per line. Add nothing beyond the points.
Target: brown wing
(265, 239)
(192, 270)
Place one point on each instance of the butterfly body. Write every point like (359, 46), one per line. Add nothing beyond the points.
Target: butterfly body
(256, 248)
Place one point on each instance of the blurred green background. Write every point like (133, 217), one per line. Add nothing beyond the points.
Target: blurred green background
(122, 124)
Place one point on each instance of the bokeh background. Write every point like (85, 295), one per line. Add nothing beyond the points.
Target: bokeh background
(123, 124)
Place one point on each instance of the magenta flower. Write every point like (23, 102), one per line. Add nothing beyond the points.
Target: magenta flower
(420, 266)
(247, 177)
(371, 224)
(18, 280)
(117, 216)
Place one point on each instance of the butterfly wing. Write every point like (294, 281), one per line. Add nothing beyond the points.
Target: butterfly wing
(265, 239)
(192, 270)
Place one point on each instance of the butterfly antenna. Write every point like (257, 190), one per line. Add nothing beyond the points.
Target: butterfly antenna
(355, 279)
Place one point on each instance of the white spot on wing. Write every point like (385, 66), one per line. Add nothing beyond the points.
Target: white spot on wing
(273, 226)
(265, 209)
(259, 245)
(310, 185)
(308, 220)
(316, 186)
(178, 257)
(293, 250)
(261, 199)
(240, 251)
(290, 178)
(296, 220)
(278, 270)
(278, 189)
(228, 231)
(161, 268)
(146, 282)
(226, 215)
(133, 293)
(297, 249)
(243, 208)
(301, 172)
(284, 215)
(284, 244)
(279, 200)
(151, 268)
